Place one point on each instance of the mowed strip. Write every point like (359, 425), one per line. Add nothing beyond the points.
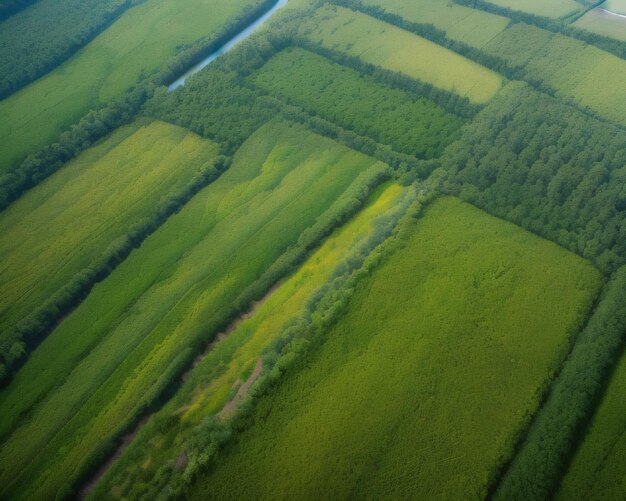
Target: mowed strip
(421, 389)
(471, 26)
(122, 346)
(210, 384)
(392, 48)
(74, 218)
(138, 43)
(390, 116)
(598, 470)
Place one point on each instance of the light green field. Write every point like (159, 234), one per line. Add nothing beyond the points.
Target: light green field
(211, 383)
(603, 23)
(392, 48)
(591, 76)
(598, 470)
(585, 74)
(471, 26)
(70, 221)
(545, 8)
(420, 389)
(119, 349)
(137, 44)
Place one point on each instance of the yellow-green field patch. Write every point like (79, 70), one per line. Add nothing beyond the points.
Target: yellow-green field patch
(420, 390)
(137, 44)
(69, 221)
(471, 26)
(392, 48)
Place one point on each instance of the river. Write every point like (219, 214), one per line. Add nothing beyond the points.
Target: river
(242, 35)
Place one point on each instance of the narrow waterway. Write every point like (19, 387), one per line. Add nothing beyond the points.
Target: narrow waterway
(242, 35)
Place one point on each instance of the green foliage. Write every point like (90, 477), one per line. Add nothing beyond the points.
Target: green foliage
(10, 7)
(544, 8)
(75, 227)
(598, 468)
(537, 468)
(137, 330)
(341, 95)
(459, 23)
(136, 48)
(377, 42)
(40, 38)
(616, 47)
(179, 429)
(549, 168)
(402, 378)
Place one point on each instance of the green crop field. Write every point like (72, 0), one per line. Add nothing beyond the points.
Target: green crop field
(117, 351)
(420, 390)
(394, 49)
(471, 26)
(209, 385)
(598, 470)
(546, 8)
(603, 23)
(390, 116)
(585, 74)
(139, 43)
(73, 219)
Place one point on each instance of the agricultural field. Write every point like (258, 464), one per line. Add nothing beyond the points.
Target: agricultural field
(136, 45)
(598, 469)
(471, 26)
(581, 66)
(37, 39)
(604, 23)
(371, 249)
(545, 8)
(118, 351)
(72, 222)
(210, 384)
(390, 116)
(379, 393)
(392, 48)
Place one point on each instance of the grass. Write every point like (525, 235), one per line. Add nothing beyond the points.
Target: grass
(392, 48)
(585, 74)
(138, 43)
(390, 116)
(545, 8)
(68, 223)
(597, 471)
(421, 389)
(211, 383)
(121, 347)
(471, 26)
(603, 23)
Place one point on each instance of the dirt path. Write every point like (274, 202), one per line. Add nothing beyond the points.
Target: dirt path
(92, 481)
(242, 392)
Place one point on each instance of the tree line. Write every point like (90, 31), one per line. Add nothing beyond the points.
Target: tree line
(31, 329)
(44, 36)
(608, 44)
(544, 165)
(561, 422)
(10, 7)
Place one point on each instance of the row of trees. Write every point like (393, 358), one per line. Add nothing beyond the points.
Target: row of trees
(547, 167)
(561, 422)
(10, 7)
(42, 37)
(31, 329)
(608, 44)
